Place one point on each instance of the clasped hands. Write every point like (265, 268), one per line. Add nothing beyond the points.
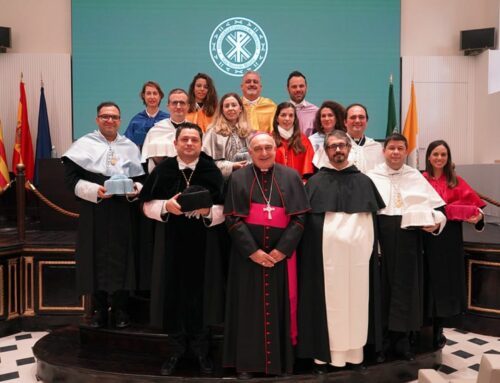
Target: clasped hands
(267, 260)
(173, 207)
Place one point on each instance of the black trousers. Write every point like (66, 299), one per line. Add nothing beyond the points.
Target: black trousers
(119, 300)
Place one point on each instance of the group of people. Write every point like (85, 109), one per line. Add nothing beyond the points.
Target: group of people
(285, 223)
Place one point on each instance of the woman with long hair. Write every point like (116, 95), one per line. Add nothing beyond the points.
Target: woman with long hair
(329, 117)
(293, 149)
(444, 254)
(202, 101)
(226, 138)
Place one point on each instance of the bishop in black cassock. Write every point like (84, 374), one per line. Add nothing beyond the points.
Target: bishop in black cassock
(264, 209)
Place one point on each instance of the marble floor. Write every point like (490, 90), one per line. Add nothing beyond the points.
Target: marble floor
(461, 355)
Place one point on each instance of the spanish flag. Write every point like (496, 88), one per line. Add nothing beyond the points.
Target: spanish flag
(411, 130)
(4, 170)
(23, 147)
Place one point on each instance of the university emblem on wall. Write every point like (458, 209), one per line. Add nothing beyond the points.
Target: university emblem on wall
(237, 45)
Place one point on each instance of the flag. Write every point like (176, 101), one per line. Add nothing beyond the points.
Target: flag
(4, 170)
(411, 130)
(392, 124)
(43, 141)
(23, 147)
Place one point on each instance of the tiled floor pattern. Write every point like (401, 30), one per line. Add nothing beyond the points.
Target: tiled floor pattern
(461, 356)
(17, 363)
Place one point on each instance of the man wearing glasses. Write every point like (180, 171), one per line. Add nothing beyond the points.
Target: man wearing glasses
(335, 268)
(159, 142)
(106, 239)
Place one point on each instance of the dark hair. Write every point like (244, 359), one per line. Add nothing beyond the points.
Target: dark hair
(356, 104)
(210, 102)
(295, 141)
(154, 85)
(107, 103)
(188, 125)
(295, 73)
(448, 170)
(395, 137)
(339, 112)
(176, 91)
(337, 133)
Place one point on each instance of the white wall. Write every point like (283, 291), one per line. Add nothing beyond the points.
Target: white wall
(37, 26)
(432, 27)
(451, 90)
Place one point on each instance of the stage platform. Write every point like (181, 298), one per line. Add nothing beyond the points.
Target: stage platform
(82, 354)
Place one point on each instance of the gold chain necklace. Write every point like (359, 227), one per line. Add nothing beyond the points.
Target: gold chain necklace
(188, 180)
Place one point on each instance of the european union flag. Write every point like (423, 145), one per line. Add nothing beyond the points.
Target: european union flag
(43, 141)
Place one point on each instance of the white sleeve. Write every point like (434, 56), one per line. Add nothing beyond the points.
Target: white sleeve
(87, 190)
(439, 218)
(154, 209)
(217, 216)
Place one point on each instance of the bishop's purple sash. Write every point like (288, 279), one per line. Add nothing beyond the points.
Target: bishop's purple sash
(258, 216)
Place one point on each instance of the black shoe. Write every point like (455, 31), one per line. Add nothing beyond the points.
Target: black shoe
(168, 367)
(98, 319)
(409, 356)
(320, 369)
(439, 340)
(206, 365)
(122, 319)
(244, 375)
(380, 357)
(358, 367)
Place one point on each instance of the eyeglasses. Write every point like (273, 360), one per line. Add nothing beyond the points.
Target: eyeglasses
(178, 103)
(336, 146)
(107, 117)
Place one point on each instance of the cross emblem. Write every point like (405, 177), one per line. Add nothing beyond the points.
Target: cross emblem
(268, 209)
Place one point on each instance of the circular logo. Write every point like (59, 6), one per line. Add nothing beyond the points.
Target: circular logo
(237, 45)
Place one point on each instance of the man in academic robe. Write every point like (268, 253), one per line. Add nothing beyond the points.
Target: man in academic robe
(159, 142)
(264, 209)
(181, 280)
(260, 110)
(334, 260)
(411, 204)
(306, 111)
(366, 153)
(107, 226)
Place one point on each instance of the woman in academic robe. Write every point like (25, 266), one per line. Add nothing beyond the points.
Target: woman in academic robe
(226, 138)
(444, 254)
(293, 149)
(330, 116)
(139, 125)
(202, 101)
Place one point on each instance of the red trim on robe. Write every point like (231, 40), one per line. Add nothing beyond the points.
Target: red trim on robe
(257, 216)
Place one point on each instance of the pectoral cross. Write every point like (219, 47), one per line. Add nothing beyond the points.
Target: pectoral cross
(269, 209)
